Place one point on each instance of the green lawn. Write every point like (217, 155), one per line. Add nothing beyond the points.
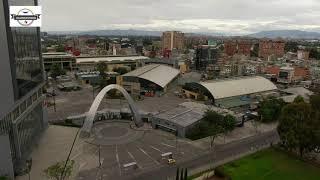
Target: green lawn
(271, 164)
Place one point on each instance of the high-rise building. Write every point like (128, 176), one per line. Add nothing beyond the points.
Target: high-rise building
(22, 113)
(172, 40)
(269, 48)
(232, 47)
(205, 55)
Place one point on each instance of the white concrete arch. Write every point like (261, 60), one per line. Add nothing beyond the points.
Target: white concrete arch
(88, 122)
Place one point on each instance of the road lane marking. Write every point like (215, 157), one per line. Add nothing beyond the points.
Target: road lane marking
(156, 149)
(134, 159)
(148, 156)
(117, 157)
(168, 145)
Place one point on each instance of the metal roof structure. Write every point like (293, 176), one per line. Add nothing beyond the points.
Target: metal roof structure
(181, 115)
(296, 91)
(238, 86)
(57, 55)
(109, 59)
(159, 74)
(188, 113)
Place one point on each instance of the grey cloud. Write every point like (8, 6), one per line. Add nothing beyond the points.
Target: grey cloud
(239, 16)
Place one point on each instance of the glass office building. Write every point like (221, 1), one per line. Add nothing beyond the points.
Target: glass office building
(22, 113)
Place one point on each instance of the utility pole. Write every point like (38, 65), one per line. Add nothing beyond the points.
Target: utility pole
(99, 156)
(92, 92)
(177, 141)
(54, 100)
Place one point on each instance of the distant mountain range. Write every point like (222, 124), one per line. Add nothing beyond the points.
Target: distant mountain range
(291, 34)
(130, 32)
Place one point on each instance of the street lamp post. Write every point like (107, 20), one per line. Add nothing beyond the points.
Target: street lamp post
(54, 100)
(92, 92)
(29, 165)
(99, 156)
(177, 141)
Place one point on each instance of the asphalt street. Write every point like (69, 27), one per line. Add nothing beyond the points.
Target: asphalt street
(219, 153)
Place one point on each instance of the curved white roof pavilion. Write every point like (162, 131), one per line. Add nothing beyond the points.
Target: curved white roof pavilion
(237, 87)
(159, 74)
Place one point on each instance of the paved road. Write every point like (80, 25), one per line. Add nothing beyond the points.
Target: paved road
(220, 153)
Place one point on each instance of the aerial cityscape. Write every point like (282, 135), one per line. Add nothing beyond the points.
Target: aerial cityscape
(159, 90)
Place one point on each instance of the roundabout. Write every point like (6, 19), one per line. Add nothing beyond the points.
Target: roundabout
(114, 133)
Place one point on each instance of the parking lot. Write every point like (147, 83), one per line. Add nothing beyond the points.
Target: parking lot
(145, 149)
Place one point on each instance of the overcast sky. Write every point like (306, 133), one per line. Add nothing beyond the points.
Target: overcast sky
(221, 16)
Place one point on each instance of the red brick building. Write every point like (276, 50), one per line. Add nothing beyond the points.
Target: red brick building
(301, 73)
(230, 47)
(244, 47)
(272, 70)
(271, 47)
(233, 47)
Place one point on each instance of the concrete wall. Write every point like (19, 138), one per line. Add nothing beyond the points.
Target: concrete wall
(6, 167)
(157, 122)
(6, 88)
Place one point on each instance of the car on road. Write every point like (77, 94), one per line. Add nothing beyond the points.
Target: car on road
(171, 161)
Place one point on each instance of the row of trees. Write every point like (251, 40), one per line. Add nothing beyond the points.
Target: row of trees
(270, 109)
(299, 126)
(299, 122)
(56, 70)
(213, 125)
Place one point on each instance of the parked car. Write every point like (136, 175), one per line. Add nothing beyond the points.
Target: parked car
(171, 161)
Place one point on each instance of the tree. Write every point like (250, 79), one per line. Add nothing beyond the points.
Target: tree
(56, 70)
(315, 102)
(103, 81)
(212, 124)
(297, 128)
(102, 67)
(298, 99)
(314, 53)
(255, 50)
(215, 127)
(120, 70)
(291, 46)
(60, 48)
(229, 123)
(55, 171)
(270, 109)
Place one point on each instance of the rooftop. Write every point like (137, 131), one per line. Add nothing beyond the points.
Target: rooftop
(159, 74)
(109, 59)
(238, 86)
(188, 113)
(181, 115)
(57, 55)
(296, 91)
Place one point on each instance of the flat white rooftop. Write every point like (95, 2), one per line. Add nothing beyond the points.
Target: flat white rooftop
(109, 59)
